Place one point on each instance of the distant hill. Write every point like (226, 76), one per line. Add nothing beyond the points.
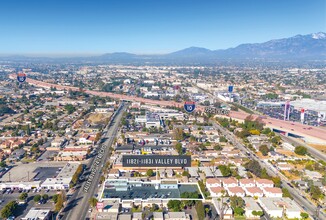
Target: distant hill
(312, 46)
(299, 47)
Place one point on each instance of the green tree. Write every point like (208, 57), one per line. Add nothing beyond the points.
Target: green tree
(223, 139)
(286, 193)
(254, 167)
(55, 198)
(70, 108)
(9, 209)
(150, 173)
(3, 164)
(300, 150)
(59, 203)
(304, 215)
(178, 148)
(45, 196)
(93, 201)
(238, 211)
(200, 210)
(225, 170)
(264, 150)
(37, 198)
(257, 213)
(218, 147)
(315, 192)
(277, 181)
(178, 134)
(185, 173)
(23, 196)
(236, 201)
(174, 205)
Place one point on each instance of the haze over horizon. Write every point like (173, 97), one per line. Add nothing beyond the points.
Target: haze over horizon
(143, 27)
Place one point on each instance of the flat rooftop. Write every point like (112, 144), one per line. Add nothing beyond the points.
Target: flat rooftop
(68, 170)
(148, 191)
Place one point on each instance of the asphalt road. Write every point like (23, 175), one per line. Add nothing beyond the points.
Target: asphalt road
(78, 205)
(297, 194)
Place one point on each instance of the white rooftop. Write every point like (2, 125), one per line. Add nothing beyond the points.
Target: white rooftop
(36, 213)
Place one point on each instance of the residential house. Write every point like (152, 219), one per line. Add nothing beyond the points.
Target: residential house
(236, 191)
(254, 191)
(261, 183)
(272, 192)
(247, 182)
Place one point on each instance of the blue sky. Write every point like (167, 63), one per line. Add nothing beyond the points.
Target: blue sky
(150, 26)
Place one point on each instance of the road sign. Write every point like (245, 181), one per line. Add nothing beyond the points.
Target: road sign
(189, 106)
(230, 89)
(21, 77)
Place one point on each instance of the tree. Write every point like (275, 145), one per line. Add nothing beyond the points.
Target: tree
(70, 108)
(97, 137)
(174, 205)
(254, 167)
(225, 170)
(238, 211)
(286, 193)
(236, 201)
(304, 215)
(315, 192)
(93, 201)
(257, 213)
(300, 150)
(23, 196)
(37, 198)
(9, 209)
(218, 147)
(55, 198)
(277, 181)
(185, 173)
(264, 150)
(178, 148)
(223, 139)
(3, 164)
(45, 196)
(59, 203)
(76, 175)
(154, 207)
(178, 134)
(200, 210)
(150, 173)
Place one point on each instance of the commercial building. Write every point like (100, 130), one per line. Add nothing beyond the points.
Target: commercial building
(37, 214)
(278, 207)
(251, 205)
(63, 179)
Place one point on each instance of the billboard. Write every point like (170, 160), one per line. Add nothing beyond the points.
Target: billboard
(230, 89)
(156, 161)
(99, 205)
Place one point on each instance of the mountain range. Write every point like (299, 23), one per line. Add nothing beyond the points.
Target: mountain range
(299, 47)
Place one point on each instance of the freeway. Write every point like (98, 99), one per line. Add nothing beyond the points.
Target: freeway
(296, 194)
(314, 152)
(314, 133)
(78, 204)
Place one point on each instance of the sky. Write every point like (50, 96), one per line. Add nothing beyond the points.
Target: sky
(63, 27)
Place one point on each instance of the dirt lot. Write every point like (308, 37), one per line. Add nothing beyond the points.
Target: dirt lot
(98, 117)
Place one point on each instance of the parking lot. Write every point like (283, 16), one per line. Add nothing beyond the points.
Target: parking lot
(24, 208)
(148, 191)
(27, 172)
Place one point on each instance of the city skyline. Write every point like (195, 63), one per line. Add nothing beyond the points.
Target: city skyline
(142, 27)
